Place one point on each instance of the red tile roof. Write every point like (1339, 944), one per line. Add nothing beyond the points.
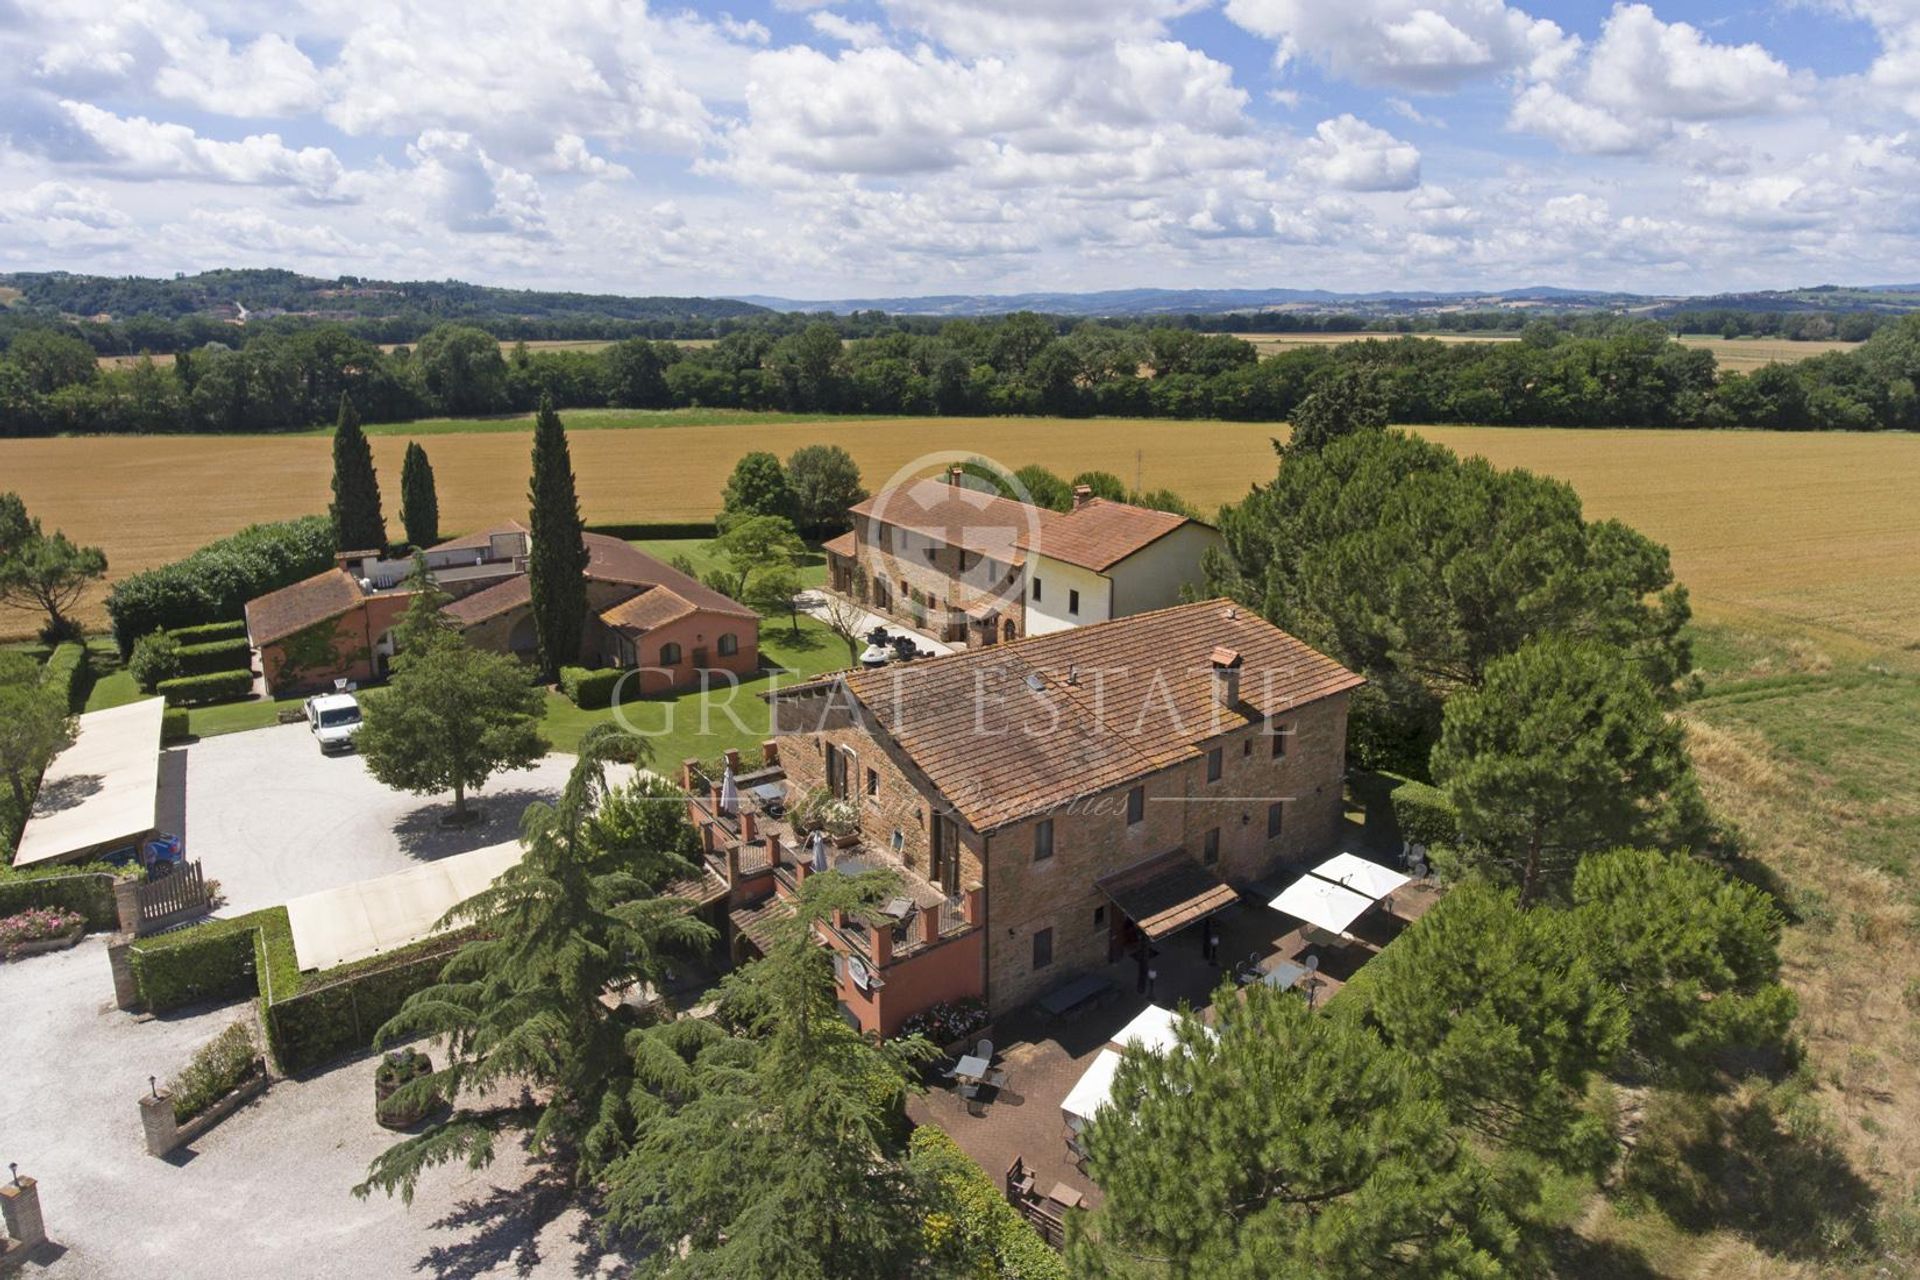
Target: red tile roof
(611, 560)
(1012, 730)
(1100, 534)
(306, 603)
(1167, 893)
(491, 602)
(654, 607)
(847, 544)
(959, 516)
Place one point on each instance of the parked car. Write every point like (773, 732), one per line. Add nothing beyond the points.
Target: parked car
(334, 719)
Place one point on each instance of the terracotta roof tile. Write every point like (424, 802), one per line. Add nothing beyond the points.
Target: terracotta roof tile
(612, 560)
(960, 516)
(654, 607)
(1166, 893)
(846, 544)
(306, 603)
(1016, 729)
(491, 602)
(1100, 534)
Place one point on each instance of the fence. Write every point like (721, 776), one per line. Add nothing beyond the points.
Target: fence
(171, 899)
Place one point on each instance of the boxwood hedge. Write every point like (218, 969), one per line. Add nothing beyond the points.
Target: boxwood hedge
(211, 961)
(212, 655)
(215, 686)
(215, 583)
(87, 888)
(207, 632)
(67, 668)
(590, 690)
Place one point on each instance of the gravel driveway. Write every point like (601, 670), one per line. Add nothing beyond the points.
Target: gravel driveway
(265, 1193)
(271, 818)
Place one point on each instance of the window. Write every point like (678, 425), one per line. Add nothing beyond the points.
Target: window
(1073, 602)
(1210, 847)
(669, 655)
(1274, 811)
(1036, 588)
(1280, 732)
(873, 782)
(1136, 805)
(1043, 840)
(729, 645)
(1043, 948)
(1099, 917)
(1214, 762)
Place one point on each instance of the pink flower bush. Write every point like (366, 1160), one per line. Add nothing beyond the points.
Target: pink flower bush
(38, 924)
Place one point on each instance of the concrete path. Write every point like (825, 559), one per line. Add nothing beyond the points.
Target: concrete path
(814, 604)
(265, 1193)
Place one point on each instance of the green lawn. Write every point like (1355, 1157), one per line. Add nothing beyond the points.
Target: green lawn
(598, 420)
(704, 725)
(812, 567)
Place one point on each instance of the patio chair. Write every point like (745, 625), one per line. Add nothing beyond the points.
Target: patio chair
(996, 1080)
(971, 1092)
(984, 1050)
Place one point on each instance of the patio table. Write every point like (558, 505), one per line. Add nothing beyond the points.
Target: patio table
(1070, 997)
(1284, 975)
(969, 1068)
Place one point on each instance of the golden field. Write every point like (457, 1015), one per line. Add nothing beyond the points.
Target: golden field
(1816, 529)
(1741, 354)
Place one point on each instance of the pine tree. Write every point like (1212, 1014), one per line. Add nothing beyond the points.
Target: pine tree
(357, 522)
(558, 559)
(419, 502)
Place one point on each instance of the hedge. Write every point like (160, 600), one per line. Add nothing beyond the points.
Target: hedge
(657, 529)
(213, 655)
(67, 668)
(212, 961)
(590, 690)
(217, 686)
(1424, 814)
(216, 1069)
(174, 725)
(215, 583)
(337, 1012)
(988, 1229)
(87, 889)
(207, 632)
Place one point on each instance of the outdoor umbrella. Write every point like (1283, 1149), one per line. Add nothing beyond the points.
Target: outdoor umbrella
(729, 792)
(819, 851)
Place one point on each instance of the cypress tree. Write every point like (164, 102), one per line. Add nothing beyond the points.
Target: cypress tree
(558, 558)
(419, 503)
(357, 522)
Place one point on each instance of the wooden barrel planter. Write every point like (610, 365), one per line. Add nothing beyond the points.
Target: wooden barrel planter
(396, 1071)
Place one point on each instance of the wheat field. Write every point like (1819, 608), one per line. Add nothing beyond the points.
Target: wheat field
(1819, 530)
(1741, 354)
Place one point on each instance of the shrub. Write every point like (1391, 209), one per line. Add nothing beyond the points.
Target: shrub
(212, 961)
(84, 890)
(174, 726)
(210, 631)
(977, 1228)
(37, 925)
(216, 686)
(214, 655)
(216, 1069)
(156, 657)
(1424, 814)
(590, 690)
(67, 667)
(948, 1021)
(215, 582)
(337, 1012)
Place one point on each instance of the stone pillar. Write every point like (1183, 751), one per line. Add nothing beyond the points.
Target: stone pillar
(749, 828)
(687, 769)
(770, 753)
(20, 1203)
(881, 946)
(976, 906)
(126, 905)
(126, 992)
(156, 1117)
(733, 760)
(930, 924)
(733, 866)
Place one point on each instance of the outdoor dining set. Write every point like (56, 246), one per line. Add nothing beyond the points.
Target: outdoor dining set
(976, 1079)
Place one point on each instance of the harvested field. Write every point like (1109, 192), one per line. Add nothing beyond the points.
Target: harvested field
(1817, 530)
(1742, 354)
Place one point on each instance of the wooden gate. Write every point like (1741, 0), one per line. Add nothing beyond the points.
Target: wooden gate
(173, 898)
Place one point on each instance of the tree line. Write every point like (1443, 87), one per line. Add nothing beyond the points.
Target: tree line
(1613, 375)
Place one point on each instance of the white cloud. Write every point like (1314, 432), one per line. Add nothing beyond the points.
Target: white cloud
(572, 155)
(1648, 67)
(1426, 46)
(978, 28)
(861, 35)
(1581, 127)
(469, 191)
(1348, 153)
(136, 147)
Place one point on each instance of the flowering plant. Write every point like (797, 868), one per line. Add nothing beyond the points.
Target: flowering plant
(948, 1021)
(37, 925)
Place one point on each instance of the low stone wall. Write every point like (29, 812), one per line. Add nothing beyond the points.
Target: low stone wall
(165, 1134)
(21, 950)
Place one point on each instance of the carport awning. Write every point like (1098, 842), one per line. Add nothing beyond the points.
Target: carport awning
(103, 791)
(355, 921)
(1167, 893)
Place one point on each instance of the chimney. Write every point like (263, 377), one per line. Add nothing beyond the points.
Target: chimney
(954, 474)
(1082, 495)
(930, 924)
(1226, 675)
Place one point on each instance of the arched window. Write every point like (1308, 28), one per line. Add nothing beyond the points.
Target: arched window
(729, 645)
(669, 655)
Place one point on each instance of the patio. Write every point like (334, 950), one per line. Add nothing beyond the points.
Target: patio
(1044, 1055)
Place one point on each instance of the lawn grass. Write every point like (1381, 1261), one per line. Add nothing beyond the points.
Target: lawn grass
(812, 567)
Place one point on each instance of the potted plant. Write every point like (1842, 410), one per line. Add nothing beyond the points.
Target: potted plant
(395, 1072)
(840, 819)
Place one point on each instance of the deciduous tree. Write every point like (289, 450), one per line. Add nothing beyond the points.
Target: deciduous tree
(824, 481)
(419, 501)
(758, 487)
(35, 726)
(358, 524)
(557, 562)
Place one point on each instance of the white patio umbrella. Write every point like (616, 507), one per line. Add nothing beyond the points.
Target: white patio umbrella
(729, 792)
(819, 851)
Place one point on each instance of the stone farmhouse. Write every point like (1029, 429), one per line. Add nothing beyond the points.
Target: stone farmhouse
(974, 568)
(641, 613)
(1050, 802)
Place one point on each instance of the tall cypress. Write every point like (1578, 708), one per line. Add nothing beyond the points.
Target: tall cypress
(419, 503)
(557, 561)
(357, 522)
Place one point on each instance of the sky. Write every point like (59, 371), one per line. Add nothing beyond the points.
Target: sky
(846, 148)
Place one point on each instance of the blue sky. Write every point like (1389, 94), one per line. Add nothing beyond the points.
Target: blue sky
(836, 148)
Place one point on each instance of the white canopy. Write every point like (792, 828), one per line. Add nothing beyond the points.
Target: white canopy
(354, 921)
(103, 791)
(1321, 902)
(1152, 1029)
(1361, 875)
(1092, 1091)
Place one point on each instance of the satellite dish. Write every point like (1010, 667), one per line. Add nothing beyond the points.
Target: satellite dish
(1312, 963)
(857, 970)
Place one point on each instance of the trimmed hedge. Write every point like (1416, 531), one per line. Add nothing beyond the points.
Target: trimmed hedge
(338, 1012)
(207, 632)
(212, 961)
(217, 686)
(590, 690)
(1424, 814)
(67, 668)
(216, 1069)
(975, 1219)
(212, 656)
(87, 889)
(215, 583)
(657, 529)
(174, 725)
